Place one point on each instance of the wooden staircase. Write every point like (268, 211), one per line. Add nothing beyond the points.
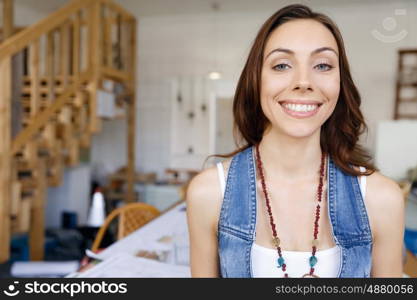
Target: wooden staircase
(50, 74)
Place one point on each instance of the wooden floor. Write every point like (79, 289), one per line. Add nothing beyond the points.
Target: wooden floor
(410, 267)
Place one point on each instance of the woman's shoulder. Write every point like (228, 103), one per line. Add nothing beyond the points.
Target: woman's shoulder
(383, 189)
(204, 195)
(384, 201)
(206, 184)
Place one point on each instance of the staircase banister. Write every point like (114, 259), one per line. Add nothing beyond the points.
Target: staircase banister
(25, 37)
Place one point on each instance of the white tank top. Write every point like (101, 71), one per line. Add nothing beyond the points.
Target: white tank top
(264, 260)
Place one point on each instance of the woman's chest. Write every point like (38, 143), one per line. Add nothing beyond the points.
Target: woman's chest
(294, 214)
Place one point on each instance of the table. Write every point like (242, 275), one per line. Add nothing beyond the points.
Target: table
(165, 238)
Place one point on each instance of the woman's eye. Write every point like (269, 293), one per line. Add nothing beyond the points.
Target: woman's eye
(323, 67)
(281, 67)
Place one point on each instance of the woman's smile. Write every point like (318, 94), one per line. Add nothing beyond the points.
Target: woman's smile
(300, 110)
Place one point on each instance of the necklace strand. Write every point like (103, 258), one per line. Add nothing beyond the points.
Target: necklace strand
(280, 261)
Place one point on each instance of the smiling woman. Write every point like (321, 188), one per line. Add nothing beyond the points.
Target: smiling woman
(301, 197)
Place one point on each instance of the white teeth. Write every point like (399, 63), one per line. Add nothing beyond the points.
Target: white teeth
(300, 107)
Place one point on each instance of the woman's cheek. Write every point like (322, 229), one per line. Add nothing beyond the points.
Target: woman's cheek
(329, 87)
(272, 89)
(276, 85)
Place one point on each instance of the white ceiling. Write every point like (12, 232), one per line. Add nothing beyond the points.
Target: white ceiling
(175, 7)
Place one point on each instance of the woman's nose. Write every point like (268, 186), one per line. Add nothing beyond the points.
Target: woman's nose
(302, 82)
(303, 87)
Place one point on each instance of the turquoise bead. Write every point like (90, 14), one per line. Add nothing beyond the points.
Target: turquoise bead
(280, 262)
(313, 261)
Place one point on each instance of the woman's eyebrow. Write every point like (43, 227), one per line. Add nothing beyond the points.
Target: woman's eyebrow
(288, 51)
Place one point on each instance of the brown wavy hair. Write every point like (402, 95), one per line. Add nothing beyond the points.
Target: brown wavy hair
(339, 134)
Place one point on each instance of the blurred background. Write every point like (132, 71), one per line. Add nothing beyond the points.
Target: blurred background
(108, 103)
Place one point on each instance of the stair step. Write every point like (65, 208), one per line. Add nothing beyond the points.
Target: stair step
(28, 184)
(45, 79)
(27, 90)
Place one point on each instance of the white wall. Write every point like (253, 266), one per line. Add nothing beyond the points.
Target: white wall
(183, 45)
(72, 195)
(199, 133)
(396, 149)
(108, 149)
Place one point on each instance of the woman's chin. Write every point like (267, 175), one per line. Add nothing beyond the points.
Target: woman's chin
(298, 132)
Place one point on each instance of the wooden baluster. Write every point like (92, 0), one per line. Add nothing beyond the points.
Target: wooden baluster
(64, 117)
(15, 207)
(118, 22)
(50, 129)
(84, 42)
(64, 56)
(73, 158)
(5, 157)
(34, 73)
(31, 148)
(125, 44)
(95, 57)
(57, 164)
(23, 221)
(84, 124)
(74, 146)
(64, 121)
(37, 218)
(50, 65)
(8, 19)
(108, 38)
(76, 52)
(131, 116)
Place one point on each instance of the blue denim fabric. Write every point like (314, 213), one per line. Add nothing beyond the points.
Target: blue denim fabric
(237, 222)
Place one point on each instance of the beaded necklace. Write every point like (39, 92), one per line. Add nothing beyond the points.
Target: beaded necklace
(276, 241)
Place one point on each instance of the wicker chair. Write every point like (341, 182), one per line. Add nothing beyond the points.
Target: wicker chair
(131, 217)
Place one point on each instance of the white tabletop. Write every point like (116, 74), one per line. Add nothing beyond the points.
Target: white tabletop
(166, 235)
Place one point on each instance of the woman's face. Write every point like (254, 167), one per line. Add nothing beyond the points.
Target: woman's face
(300, 79)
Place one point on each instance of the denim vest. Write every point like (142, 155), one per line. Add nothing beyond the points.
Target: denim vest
(237, 222)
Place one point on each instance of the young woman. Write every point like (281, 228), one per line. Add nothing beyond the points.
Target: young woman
(300, 197)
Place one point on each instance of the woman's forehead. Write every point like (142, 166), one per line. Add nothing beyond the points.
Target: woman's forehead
(301, 36)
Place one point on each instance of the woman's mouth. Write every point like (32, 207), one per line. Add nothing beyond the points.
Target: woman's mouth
(300, 111)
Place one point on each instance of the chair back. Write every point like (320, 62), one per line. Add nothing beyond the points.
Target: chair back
(131, 217)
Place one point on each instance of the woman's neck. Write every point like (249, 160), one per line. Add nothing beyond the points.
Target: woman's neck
(291, 159)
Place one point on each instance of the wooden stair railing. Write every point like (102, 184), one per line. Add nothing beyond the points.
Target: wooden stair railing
(57, 66)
